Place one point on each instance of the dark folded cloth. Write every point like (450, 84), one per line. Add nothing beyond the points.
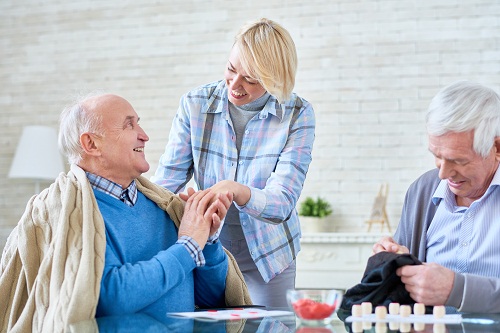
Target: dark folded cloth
(380, 285)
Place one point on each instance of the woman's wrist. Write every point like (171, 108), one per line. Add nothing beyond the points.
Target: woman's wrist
(241, 194)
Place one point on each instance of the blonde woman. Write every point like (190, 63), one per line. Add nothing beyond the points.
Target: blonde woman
(250, 135)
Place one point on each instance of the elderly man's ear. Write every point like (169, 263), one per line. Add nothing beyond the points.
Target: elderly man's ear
(89, 144)
(497, 148)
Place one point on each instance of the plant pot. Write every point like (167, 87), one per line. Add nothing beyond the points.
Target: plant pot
(314, 224)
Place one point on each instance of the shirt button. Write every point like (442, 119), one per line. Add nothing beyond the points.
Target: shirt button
(464, 244)
(247, 131)
(240, 162)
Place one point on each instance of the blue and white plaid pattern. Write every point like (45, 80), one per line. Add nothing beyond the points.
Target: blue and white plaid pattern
(128, 195)
(193, 249)
(273, 162)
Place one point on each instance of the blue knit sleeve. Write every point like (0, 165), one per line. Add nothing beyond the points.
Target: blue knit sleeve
(130, 288)
(210, 280)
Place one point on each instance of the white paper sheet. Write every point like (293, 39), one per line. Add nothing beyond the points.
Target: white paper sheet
(237, 313)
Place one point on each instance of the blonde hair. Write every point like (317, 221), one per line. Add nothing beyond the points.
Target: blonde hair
(268, 55)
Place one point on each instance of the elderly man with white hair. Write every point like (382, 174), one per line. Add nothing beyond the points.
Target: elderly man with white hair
(451, 215)
(102, 240)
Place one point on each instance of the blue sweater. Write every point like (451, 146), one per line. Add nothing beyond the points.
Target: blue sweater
(146, 271)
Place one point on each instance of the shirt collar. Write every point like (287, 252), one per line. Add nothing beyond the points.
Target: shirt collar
(220, 93)
(127, 195)
(443, 191)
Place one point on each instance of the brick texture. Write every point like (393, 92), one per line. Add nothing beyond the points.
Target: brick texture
(370, 68)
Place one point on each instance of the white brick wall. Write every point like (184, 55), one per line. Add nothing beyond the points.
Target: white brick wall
(370, 68)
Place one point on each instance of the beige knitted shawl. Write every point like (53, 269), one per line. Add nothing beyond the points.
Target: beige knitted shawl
(52, 264)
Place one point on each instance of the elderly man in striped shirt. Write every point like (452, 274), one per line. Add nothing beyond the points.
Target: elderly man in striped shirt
(451, 215)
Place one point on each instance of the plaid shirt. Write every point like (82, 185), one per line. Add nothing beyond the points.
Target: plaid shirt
(129, 197)
(273, 162)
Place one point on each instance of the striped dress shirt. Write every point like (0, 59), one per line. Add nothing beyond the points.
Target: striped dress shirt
(465, 239)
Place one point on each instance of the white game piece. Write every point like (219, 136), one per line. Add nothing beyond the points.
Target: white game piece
(357, 327)
(439, 328)
(381, 312)
(356, 310)
(380, 328)
(405, 327)
(439, 311)
(405, 310)
(417, 327)
(419, 309)
(367, 308)
(394, 308)
(394, 325)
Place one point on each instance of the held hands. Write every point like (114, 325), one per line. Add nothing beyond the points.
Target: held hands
(240, 193)
(203, 213)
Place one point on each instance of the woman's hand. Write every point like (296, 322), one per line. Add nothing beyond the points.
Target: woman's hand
(240, 193)
(220, 202)
(201, 215)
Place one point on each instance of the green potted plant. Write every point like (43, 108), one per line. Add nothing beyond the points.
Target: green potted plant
(313, 214)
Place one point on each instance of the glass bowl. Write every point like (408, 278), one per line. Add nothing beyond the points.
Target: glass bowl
(314, 307)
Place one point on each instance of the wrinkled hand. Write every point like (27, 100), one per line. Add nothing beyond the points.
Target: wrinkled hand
(226, 198)
(186, 196)
(222, 201)
(388, 244)
(201, 215)
(429, 283)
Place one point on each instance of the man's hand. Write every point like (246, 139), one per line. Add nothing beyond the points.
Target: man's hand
(430, 284)
(225, 201)
(186, 196)
(388, 244)
(201, 219)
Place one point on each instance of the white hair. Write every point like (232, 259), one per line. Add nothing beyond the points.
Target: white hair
(73, 122)
(466, 106)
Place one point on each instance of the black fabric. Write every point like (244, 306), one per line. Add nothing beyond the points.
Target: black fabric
(380, 285)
